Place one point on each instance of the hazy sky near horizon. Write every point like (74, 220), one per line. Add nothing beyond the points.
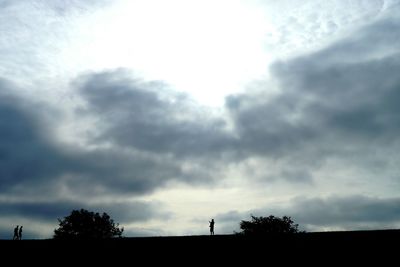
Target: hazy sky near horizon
(165, 114)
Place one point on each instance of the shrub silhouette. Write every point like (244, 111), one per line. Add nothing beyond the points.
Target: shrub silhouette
(83, 224)
(268, 225)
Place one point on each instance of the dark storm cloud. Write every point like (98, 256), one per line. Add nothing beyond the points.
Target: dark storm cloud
(264, 127)
(120, 212)
(42, 211)
(351, 86)
(345, 95)
(146, 116)
(117, 172)
(26, 153)
(33, 160)
(354, 99)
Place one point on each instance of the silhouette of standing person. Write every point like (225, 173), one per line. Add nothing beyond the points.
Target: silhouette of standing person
(15, 237)
(212, 227)
(20, 233)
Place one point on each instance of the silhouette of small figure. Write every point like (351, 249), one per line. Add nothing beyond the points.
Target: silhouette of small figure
(212, 227)
(20, 233)
(15, 237)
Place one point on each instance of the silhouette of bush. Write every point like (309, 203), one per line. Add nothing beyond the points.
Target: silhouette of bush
(83, 224)
(268, 225)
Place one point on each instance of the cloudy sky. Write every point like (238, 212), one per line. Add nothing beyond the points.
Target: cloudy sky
(165, 114)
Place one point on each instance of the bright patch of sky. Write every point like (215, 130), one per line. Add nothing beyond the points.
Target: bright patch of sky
(208, 49)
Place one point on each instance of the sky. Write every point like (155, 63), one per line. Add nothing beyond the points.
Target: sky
(165, 114)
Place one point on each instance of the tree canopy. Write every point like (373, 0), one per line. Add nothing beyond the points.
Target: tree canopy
(268, 225)
(84, 224)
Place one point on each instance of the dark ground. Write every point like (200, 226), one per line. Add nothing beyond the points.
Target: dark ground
(325, 249)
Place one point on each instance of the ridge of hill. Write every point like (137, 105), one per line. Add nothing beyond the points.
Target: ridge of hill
(360, 245)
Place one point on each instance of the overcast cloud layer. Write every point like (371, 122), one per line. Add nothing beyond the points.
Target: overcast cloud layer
(316, 140)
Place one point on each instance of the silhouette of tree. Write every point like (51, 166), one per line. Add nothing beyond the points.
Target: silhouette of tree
(83, 224)
(268, 225)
